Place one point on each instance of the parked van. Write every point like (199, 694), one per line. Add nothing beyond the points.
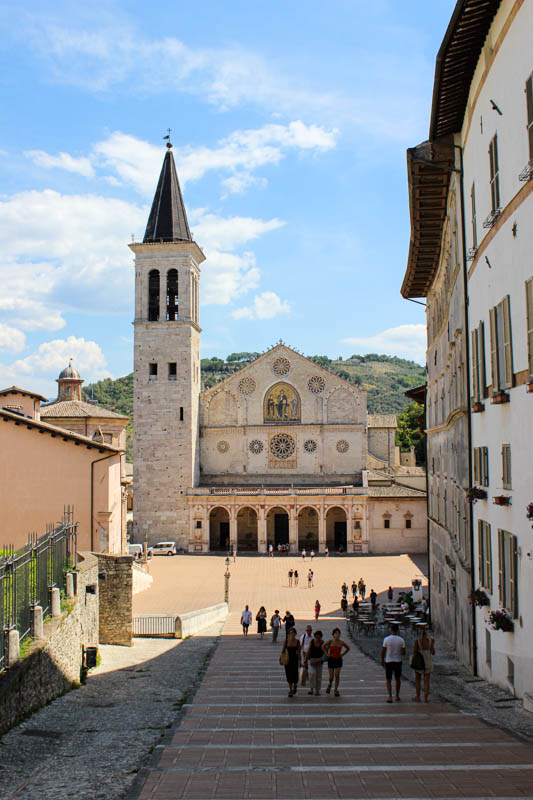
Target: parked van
(136, 550)
(165, 549)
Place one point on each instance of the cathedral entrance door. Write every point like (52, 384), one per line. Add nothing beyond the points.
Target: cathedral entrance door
(340, 534)
(281, 529)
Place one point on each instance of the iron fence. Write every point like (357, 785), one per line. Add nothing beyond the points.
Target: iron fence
(28, 574)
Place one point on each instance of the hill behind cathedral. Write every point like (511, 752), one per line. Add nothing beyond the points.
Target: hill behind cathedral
(385, 378)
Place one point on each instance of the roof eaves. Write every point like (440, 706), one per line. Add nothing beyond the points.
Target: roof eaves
(54, 431)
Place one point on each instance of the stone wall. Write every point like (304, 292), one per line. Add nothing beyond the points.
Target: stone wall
(53, 663)
(115, 579)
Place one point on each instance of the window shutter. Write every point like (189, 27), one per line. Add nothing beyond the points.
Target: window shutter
(481, 552)
(529, 102)
(529, 317)
(513, 598)
(506, 466)
(507, 342)
(476, 464)
(485, 465)
(474, 225)
(481, 360)
(494, 351)
(475, 366)
(501, 567)
(488, 557)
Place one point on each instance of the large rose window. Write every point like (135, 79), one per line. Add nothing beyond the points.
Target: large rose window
(282, 445)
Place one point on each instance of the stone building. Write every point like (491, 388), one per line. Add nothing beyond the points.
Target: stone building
(278, 453)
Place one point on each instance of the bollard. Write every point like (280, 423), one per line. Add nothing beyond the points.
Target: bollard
(55, 602)
(13, 648)
(70, 585)
(38, 628)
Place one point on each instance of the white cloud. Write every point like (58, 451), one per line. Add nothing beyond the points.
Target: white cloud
(265, 306)
(405, 341)
(81, 165)
(223, 233)
(11, 338)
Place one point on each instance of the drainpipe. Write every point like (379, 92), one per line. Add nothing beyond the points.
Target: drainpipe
(96, 461)
(469, 411)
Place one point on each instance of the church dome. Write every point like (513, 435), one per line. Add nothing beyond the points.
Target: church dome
(69, 372)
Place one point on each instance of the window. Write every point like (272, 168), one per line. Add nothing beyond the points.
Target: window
(181, 413)
(172, 371)
(386, 523)
(479, 381)
(529, 318)
(198, 523)
(494, 175)
(507, 556)
(153, 295)
(172, 295)
(529, 105)
(501, 349)
(153, 371)
(407, 523)
(484, 546)
(506, 466)
(473, 207)
(481, 466)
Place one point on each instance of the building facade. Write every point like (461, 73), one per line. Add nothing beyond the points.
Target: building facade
(281, 452)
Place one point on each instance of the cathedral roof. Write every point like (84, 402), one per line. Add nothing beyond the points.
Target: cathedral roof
(78, 408)
(382, 421)
(168, 220)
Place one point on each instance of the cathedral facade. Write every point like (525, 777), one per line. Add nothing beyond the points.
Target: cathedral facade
(281, 452)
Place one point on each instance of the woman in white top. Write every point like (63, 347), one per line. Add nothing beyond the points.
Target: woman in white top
(425, 645)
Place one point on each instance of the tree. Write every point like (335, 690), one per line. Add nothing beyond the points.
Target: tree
(410, 431)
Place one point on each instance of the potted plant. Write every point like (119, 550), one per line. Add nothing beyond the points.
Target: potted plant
(529, 512)
(477, 406)
(500, 620)
(479, 598)
(501, 500)
(529, 385)
(475, 493)
(500, 397)
(416, 584)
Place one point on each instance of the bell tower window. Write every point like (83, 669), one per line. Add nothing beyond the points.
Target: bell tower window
(172, 295)
(153, 295)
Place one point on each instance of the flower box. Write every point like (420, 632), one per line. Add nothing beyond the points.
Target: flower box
(475, 493)
(478, 406)
(501, 500)
(500, 620)
(529, 512)
(529, 386)
(500, 397)
(479, 598)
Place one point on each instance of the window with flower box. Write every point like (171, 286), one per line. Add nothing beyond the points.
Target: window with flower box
(508, 578)
(481, 466)
(506, 466)
(484, 545)
(501, 348)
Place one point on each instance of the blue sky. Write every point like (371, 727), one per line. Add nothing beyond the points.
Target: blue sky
(290, 122)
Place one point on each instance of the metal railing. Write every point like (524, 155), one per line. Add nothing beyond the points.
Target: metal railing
(28, 574)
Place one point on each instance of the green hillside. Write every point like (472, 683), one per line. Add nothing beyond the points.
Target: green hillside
(385, 378)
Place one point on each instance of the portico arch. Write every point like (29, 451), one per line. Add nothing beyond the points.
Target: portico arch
(336, 529)
(247, 529)
(277, 526)
(219, 529)
(308, 528)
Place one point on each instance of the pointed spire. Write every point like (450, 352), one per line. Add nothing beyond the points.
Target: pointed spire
(168, 220)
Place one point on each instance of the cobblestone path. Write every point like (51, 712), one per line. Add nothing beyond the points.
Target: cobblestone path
(242, 737)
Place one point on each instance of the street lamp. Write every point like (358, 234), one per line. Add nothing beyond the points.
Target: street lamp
(226, 581)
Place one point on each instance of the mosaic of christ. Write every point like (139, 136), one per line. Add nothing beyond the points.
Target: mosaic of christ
(281, 404)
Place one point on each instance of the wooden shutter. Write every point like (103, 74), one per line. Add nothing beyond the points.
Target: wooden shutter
(488, 557)
(474, 224)
(511, 561)
(506, 466)
(494, 350)
(505, 319)
(481, 551)
(475, 366)
(529, 317)
(481, 360)
(529, 105)
(485, 465)
(494, 174)
(501, 567)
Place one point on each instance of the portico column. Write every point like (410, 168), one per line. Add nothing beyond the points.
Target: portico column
(293, 530)
(365, 526)
(349, 531)
(321, 530)
(261, 530)
(205, 528)
(233, 528)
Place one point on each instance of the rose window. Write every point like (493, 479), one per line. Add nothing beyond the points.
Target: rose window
(343, 446)
(223, 446)
(247, 385)
(282, 445)
(310, 446)
(316, 384)
(281, 366)
(256, 446)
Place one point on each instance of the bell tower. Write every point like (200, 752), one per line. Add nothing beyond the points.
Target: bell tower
(166, 377)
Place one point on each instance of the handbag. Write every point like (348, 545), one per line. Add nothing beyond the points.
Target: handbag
(283, 658)
(417, 661)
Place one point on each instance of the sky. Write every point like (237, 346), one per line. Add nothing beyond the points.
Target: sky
(290, 122)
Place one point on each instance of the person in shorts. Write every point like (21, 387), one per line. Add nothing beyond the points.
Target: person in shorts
(392, 652)
(246, 618)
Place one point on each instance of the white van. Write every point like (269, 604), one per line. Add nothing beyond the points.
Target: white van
(136, 550)
(165, 549)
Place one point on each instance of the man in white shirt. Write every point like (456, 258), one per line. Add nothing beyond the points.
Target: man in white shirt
(246, 618)
(305, 641)
(392, 652)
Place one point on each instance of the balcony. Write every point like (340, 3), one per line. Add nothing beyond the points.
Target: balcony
(471, 254)
(492, 218)
(527, 172)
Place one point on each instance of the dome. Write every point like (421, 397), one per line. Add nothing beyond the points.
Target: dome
(69, 372)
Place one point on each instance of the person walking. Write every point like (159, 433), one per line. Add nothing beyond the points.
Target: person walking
(326, 551)
(296, 576)
(312, 554)
(344, 589)
(373, 599)
(313, 658)
(288, 619)
(354, 588)
(392, 652)
(271, 551)
(291, 573)
(425, 645)
(362, 588)
(335, 649)
(355, 604)
(293, 648)
(344, 604)
(275, 624)
(261, 619)
(305, 639)
(234, 555)
(304, 554)
(317, 609)
(390, 594)
(246, 618)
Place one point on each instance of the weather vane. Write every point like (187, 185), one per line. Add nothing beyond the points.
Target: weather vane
(169, 143)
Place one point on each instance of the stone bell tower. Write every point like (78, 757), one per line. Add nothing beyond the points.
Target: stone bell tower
(166, 378)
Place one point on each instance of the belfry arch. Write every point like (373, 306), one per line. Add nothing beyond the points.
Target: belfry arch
(153, 295)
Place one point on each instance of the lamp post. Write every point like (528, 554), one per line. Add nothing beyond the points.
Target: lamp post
(226, 581)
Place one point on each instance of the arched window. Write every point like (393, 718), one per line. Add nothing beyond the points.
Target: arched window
(172, 294)
(153, 295)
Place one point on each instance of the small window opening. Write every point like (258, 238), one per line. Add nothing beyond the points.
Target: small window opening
(407, 523)
(172, 371)
(181, 413)
(153, 370)
(172, 295)
(198, 523)
(153, 295)
(386, 523)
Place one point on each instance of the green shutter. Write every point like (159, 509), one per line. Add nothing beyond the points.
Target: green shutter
(475, 365)
(481, 360)
(488, 557)
(505, 306)
(481, 552)
(513, 594)
(501, 567)
(494, 351)
(485, 465)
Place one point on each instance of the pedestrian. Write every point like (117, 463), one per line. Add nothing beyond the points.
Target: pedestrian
(313, 658)
(305, 639)
(326, 551)
(279, 547)
(425, 647)
(344, 589)
(344, 604)
(271, 551)
(362, 588)
(373, 599)
(310, 575)
(392, 651)
(317, 609)
(296, 577)
(312, 554)
(234, 554)
(288, 619)
(354, 588)
(261, 619)
(390, 594)
(246, 618)
(355, 604)
(293, 649)
(275, 624)
(291, 573)
(303, 554)
(335, 649)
